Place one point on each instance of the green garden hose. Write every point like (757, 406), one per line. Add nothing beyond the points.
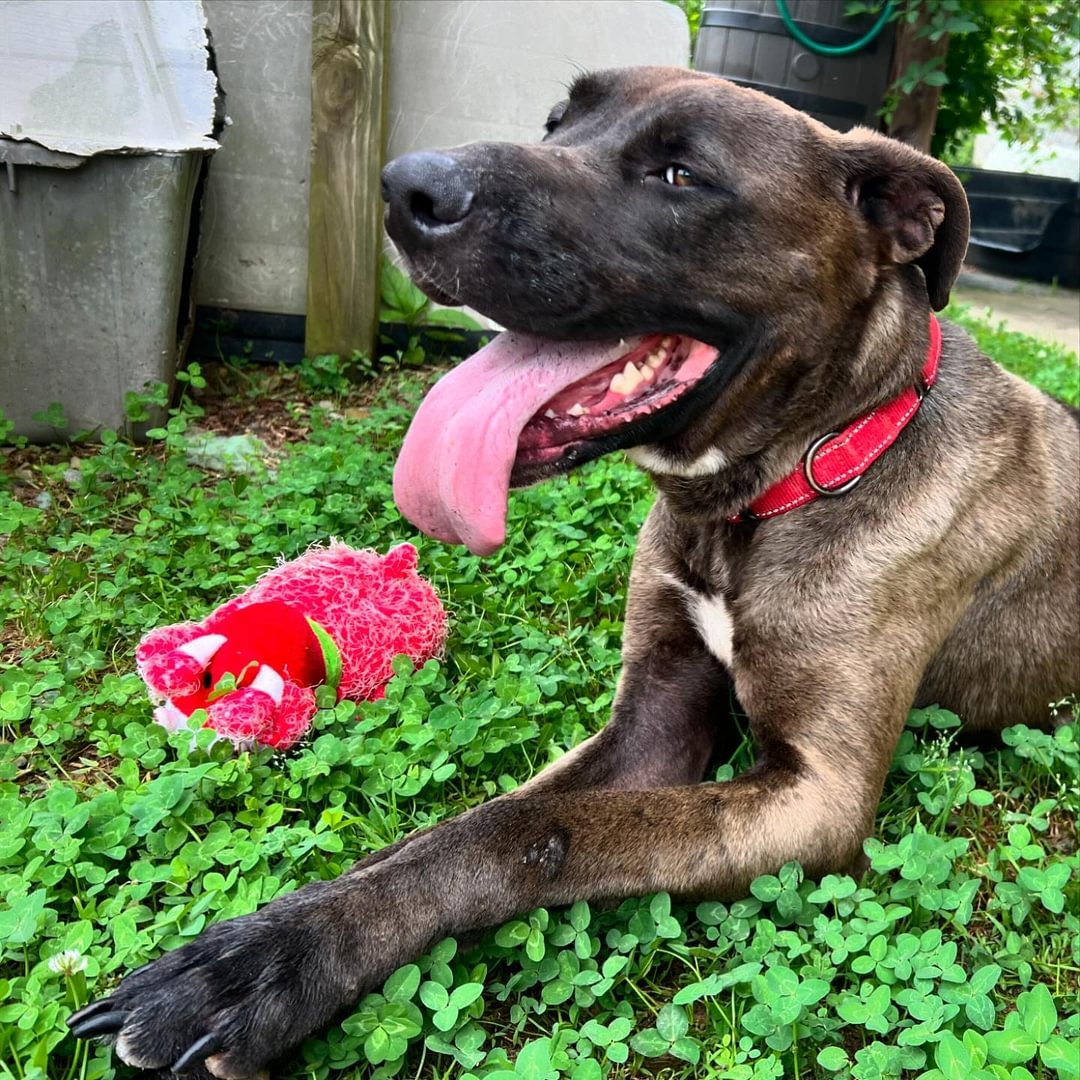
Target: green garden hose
(833, 50)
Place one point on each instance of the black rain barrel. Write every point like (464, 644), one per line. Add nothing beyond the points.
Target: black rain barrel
(1024, 226)
(746, 41)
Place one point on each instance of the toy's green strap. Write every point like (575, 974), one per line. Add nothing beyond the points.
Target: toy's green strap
(330, 652)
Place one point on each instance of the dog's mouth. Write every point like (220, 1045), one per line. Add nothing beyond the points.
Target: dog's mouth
(525, 408)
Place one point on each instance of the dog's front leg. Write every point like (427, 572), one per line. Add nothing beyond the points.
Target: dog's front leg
(248, 989)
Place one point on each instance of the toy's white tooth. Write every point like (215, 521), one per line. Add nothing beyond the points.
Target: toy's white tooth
(270, 683)
(202, 648)
(577, 409)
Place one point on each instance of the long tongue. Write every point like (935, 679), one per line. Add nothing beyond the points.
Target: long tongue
(452, 477)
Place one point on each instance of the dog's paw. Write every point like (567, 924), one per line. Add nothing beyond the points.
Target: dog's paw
(239, 996)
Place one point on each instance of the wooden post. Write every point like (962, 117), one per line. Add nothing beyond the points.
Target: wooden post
(349, 69)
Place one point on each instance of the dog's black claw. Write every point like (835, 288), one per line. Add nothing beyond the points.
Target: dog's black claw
(197, 1052)
(98, 1023)
(93, 1009)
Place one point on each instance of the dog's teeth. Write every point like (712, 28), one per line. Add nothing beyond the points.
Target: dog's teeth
(646, 373)
(577, 409)
(626, 381)
(656, 359)
(667, 342)
(631, 375)
(551, 414)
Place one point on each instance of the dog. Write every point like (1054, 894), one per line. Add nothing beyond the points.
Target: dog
(856, 512)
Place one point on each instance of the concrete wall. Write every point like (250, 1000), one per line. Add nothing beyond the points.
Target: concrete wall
(253, 247)
(491, 69)
(460, 70)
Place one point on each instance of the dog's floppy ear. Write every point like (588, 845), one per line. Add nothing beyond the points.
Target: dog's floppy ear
(914, 203)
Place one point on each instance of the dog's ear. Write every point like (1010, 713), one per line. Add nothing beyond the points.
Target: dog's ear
(915, 204)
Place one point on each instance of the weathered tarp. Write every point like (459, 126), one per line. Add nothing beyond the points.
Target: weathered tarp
(85, 77)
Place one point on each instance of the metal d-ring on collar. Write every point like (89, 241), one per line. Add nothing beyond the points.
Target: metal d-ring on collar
(920, 388)
(808, 469)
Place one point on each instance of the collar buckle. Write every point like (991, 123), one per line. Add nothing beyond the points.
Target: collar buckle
(808, 470)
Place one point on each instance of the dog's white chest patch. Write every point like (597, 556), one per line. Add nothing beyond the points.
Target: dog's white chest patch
(713, 622)
(710, 617)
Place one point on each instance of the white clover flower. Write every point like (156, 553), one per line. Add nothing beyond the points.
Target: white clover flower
(68, 963)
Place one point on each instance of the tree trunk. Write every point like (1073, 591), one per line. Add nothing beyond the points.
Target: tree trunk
(915, 115)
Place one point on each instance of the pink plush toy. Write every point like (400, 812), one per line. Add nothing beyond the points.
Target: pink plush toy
(334, 615)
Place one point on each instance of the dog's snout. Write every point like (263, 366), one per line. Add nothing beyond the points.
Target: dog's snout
(427, 192)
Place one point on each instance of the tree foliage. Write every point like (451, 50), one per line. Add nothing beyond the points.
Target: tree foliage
(1012, 63)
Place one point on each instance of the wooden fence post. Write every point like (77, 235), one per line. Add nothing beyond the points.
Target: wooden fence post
(349, 69)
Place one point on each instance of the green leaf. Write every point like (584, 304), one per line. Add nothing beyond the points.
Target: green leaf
(617, 1052)
(811, 991)
(833, 1058)
(451, 317)
(589, 1069)
(534, 1062)
(434, 996)
(980, 1011)
(512, 934)
(400, 295)
(985, 979)
(445, 1019)
(579, 916)
(671, 1022)
(19, 923)
(534, 945)
(557, 991)
(445, 951)
(694, 991)
(766, 888)
(1012, 1047)
(952, 1057)
(1037, 1010)
(465, 994)
(686, 1048)
(402, 985)
(376, 1046)
(650, 1043)
(1060, 1054)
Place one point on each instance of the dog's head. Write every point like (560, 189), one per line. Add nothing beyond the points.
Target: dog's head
(669, 231)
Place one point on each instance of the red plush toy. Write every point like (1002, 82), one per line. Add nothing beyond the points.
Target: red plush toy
(335, 615)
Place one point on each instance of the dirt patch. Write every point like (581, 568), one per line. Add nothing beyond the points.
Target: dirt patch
(1038, 310)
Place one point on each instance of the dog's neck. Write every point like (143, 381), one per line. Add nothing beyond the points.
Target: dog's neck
(878, 354)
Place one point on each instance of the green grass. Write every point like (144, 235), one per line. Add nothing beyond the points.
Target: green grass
(1050, 366)
(953, 958)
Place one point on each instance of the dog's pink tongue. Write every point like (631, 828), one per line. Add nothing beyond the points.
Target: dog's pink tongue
(452, 477)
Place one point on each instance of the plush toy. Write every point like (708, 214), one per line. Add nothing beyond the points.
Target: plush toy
(334, 616)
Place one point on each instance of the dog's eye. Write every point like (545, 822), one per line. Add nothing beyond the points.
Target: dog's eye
(679, 176)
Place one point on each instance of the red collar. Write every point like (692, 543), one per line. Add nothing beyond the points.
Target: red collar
(835, 463)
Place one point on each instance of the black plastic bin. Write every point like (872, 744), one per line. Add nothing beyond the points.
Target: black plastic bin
(1023, 225)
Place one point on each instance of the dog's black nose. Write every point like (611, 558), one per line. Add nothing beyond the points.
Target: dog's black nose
(427, 192)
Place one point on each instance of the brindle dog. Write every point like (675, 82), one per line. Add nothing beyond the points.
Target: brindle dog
(804, 263)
